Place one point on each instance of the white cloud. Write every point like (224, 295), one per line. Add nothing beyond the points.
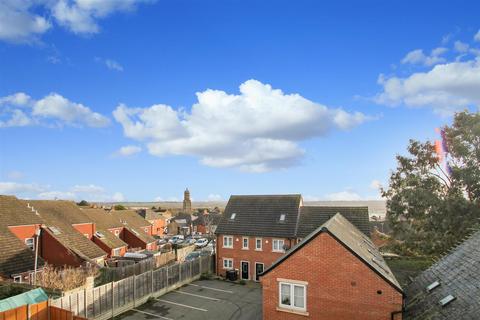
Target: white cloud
(57, 195)
(20, 109)
(477, 36)
(214, 197)
(418, 57)
(19, 188)
(445, 88)
(118, 197)
(461, 46)
(375, 184)
(113, 65)
(127, 151)
(344, 196)
(256, 130)
(19, 22)
(90, 188)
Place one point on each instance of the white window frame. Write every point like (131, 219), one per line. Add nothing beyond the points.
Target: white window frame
(280, 249)
(292, 297)
(243, 243)
(116, 252)
(33, 243)
(17, 279)
(146, 230)
(229, 245)
(117, 232)
(230, 260)
(256, 244)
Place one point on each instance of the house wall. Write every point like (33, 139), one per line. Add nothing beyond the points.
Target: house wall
(55, 253)
(340, 286)
(107, 249)
(266, 256)
(85, 229)
(24, 232)
(132, 240)
(157, 226)
(120, 230)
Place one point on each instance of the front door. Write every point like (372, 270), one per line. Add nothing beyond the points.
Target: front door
(245, 270)
(258, 270)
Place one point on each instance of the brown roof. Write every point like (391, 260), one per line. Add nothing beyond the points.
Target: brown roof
(104, 221)
(15, 256)
(61, 215)
(133, 221)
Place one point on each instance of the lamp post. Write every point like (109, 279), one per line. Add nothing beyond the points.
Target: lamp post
(37, 240)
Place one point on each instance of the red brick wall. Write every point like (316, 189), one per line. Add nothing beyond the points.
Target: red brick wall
(55, 253)
(106, 248)
(132, 240)
(85, 229)
(266, 256)
(24, 232)
(340, 286)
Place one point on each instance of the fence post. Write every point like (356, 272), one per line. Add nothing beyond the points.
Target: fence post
(134, 290)
(151, 291)
(113, 300)
(85, 302)
(167, 276)
(179, 272)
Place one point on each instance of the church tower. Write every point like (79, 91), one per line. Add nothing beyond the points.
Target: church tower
(187, 203)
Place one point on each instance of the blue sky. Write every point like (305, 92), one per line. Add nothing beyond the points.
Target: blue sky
(98, 99)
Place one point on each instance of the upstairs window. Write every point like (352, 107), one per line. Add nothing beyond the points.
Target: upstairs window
(245, 243)
(30, 242)
(277, 245)
(258, 244)
(228, 242)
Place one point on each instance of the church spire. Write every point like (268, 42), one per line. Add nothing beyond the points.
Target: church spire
(187, 203)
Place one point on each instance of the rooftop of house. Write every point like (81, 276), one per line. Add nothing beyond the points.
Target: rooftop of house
(104, 220)
(354, 240)
(213, 218)
(135, 223)
(311, 217)
(261, 215)
(58, 217)
(450, 288)
(182, 218)
(15, 256)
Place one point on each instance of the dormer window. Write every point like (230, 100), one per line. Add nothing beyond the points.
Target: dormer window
(232, 217)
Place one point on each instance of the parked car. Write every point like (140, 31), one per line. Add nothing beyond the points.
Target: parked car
(190, 241)
(176, 239)
(201, 243)
(162, 241)
(192, 256)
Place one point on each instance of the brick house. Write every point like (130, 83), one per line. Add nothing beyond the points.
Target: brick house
(256, 230)
(180, 224)
(18, 228)
(206, 222)
(336, 272)
(108, 235)
(137, 232)
(67, 234)
(157, 220)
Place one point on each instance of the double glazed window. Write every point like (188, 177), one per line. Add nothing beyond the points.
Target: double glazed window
(258, 244)
(227, 241)
(277, 245)
(292, 296)
(30, 242)
(227, 263)
(245, 243)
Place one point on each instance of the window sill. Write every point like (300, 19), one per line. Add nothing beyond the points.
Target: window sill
(227, 247)
(278, 251)
(258, 250)
(299, 312)
(244, 248)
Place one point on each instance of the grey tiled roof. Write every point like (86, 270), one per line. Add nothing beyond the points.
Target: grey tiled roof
(354, 240)
(459, 276)
(214, 218)
(259, 215)
(312, 217)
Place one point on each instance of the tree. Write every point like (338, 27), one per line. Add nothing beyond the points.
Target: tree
(431, 207)
(119, 207)
(83, 203)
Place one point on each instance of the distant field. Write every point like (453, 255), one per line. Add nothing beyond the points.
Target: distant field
(375, 207)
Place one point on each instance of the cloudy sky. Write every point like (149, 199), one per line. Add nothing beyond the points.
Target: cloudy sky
(138, 99)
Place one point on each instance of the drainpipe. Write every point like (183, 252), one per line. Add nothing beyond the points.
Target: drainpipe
(37, 240)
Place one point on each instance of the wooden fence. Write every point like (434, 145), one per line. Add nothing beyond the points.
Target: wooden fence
(111, 299)
(39, 311)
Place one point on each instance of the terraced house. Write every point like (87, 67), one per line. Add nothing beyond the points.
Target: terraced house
(256, 230)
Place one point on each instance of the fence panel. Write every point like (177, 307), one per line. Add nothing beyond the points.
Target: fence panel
(19, 313)
(173, 274)
(39, 311)
(60, 314)
(160, 279)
